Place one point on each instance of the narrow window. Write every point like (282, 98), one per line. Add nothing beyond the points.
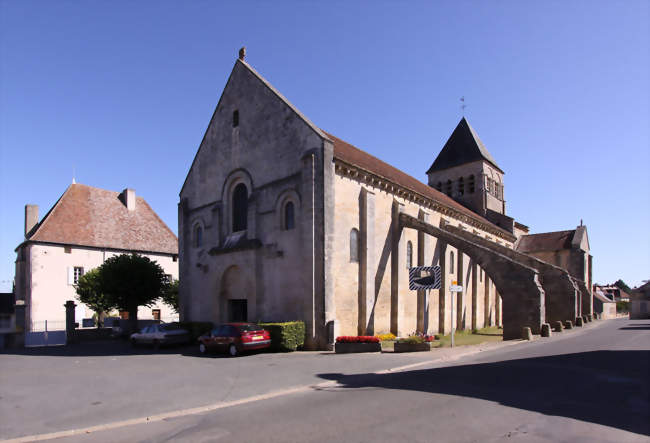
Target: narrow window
(78, 272)
(354, 245)
(461, 186)
(289, 222)
(451, 262)
(471, 183)
(409, 255)
(240, 208)
(448, 188)
(198, 236)
(439, 186)
(235, 118)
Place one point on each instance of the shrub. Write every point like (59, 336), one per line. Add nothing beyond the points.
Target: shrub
(287, 336)
(196, 328)
(357, 339)
(622, 306)
(416, 338)
(385, 337)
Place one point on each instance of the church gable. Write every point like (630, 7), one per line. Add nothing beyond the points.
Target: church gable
(255, 129)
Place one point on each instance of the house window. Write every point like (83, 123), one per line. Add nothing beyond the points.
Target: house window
(235, 118)
(461, 186)
(354, 245)
(289, 221)
(168, 278)
(198, 236)
(409, 255)
(451, 262)
(471, 184)
(67, 249)
(124, 315)
(78, 272)
(240, 208)
(155, 313)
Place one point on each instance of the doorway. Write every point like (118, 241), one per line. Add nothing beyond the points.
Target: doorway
(237, 310)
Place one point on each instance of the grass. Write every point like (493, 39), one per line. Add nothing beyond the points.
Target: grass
(461, 338)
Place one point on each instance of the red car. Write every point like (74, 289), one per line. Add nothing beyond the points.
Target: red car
(235, 338)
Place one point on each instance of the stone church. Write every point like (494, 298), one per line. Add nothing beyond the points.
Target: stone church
(280, 220)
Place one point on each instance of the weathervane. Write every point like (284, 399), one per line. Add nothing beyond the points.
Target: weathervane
(462, 105)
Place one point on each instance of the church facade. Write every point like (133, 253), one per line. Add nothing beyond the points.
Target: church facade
(280, 220)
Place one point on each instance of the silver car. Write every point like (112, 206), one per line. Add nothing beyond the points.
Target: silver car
(162, 334)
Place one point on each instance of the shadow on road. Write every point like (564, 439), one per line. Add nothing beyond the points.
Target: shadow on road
(605, 387)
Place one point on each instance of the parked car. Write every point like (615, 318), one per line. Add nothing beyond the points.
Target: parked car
(235, 338)
(162, 334)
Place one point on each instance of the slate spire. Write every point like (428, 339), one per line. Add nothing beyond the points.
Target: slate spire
(463, 147)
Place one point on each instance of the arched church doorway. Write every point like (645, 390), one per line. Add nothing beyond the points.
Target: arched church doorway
(236, 293)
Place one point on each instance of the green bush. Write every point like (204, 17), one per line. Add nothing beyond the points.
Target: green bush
(287, 336)
(411, 339)
(196, 328)
(622, 306)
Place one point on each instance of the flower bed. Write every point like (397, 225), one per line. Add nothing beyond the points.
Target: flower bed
(348, 344)
(414, 343)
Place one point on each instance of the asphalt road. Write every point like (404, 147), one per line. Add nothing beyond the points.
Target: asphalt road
(590, 384)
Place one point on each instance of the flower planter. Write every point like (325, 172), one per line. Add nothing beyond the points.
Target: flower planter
(346, 348)
(412, 347)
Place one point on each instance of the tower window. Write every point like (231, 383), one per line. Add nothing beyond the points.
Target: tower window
(461, 186)
(198, 236)
(409, 255)
(448, 188)
(289, 222)
(235, 118)
(439, 186)
(354, 245)
(471, 184)
(240, 208)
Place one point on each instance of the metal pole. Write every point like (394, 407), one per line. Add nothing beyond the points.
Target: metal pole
(452, 318)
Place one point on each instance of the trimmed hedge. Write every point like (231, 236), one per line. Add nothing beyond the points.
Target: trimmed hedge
(287, 336)
(196, 328)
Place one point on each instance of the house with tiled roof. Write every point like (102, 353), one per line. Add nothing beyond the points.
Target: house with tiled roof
(280, 220)
(85, 226)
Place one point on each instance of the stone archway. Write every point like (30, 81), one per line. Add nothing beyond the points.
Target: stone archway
(236, 296)
(518, 284)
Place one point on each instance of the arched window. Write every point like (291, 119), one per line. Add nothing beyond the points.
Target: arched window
(472, 184)
(461, 186)
(354, 245)
(240, 208)
(451, 262)
(289, 221)
(409, 255)
(198, 236)
(448, 188)
(235, 118)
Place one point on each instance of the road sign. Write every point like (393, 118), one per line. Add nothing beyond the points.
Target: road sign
(456, 288)
(429, 281)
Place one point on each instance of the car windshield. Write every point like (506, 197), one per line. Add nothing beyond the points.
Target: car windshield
(169, 327)
(249, 328)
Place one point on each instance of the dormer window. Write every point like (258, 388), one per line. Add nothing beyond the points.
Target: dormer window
(235, 118)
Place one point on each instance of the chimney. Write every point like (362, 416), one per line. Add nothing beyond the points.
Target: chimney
(31, 217)
(128, 198)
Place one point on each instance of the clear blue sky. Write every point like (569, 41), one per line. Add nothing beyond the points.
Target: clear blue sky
(121, 93)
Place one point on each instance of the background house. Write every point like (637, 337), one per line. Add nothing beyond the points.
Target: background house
(640, 302)
(85, 226)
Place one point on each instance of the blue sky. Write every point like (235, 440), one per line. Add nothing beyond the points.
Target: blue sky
(121, 94)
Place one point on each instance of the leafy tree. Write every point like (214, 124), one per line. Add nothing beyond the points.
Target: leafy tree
(129, 281)
(170, 295)
(620, 284)
(90, 294)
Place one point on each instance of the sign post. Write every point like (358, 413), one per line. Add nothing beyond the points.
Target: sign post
(453, 288)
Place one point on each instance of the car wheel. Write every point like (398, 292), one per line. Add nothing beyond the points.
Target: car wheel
(134, 342)
(232, 350)
(156, 344)
(202, 348)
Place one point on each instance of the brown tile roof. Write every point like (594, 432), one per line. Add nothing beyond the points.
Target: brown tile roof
(547, 241)
(355, 156)
(94, 217)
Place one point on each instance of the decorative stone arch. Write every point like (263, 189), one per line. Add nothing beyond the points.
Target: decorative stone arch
(285, 197)
(235, 178)
(236, 284)
(519, 285)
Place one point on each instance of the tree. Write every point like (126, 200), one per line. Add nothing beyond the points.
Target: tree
(170, 295)
(130, 281)
(89, 293)
(620, 284)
